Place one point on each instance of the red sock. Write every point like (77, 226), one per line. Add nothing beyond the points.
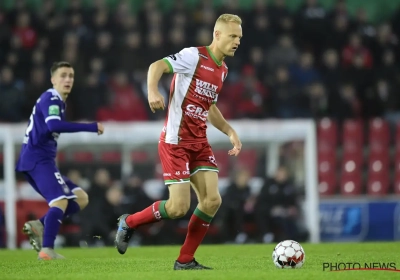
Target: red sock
(197, 229)
(151, 214)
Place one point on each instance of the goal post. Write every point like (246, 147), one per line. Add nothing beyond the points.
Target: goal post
(136, 134)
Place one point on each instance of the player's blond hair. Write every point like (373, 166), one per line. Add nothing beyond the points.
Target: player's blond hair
(225, 18)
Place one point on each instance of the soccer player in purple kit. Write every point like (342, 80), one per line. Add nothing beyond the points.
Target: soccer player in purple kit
(37, 161)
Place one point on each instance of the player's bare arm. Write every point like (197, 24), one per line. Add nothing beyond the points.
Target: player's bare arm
(156, 70)
(218, 121)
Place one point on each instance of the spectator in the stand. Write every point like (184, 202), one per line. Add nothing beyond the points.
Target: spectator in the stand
(125, 97)
(281, 18)
(284, 53)
(388, 69)
(11, 95)
(345, 104)
(386, 40)
(340, 10)
(233, 212)
(304, 72)
(132, 54)
(386, 101)
(330, 71)
(94, 221)
(24, 31)
(318, 100)
(135, 198)
(38, 82)
(312, 25)
(338, 33)
(248, 95)
(356, 48)
(277, 209)
(286, 100)
(364, 27)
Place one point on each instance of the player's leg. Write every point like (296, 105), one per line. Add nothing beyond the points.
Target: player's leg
(205, 184)
(175, 162)
(34, 229)
(204, 179)
(80, 201)
(53, 188)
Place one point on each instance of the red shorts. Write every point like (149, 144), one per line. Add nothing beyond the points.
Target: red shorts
(179, 162)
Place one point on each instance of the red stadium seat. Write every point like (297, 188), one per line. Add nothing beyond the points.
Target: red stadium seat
(81, 156)
(350, 182)
(111, 156)
(378, 177)
(379, 153)
(327, 174)
(353, 132)
(379, 131)
(139, 156)
(352, 151)
(61, 157)
(327, 132)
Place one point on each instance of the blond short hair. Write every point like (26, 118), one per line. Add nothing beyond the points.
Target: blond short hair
(225, 18)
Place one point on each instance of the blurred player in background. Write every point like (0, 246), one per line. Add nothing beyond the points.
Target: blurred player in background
(185, 154)
(37, 161)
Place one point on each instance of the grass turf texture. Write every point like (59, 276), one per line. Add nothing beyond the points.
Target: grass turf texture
(229, 262)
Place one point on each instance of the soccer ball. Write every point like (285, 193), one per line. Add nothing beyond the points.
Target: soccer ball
(288, 254)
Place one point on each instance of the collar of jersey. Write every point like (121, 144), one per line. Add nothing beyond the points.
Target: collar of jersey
(54, 91)
(219, 63)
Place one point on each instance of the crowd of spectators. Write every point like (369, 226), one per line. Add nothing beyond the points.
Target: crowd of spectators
(304, 64)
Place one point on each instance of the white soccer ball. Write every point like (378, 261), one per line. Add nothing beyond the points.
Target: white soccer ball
(288, 254)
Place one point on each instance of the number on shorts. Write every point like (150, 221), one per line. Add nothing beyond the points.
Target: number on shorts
(187, 166)
(59, 177)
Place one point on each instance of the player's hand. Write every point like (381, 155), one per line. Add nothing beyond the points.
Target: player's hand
(237, 145)
(156, 100)
(100, 129)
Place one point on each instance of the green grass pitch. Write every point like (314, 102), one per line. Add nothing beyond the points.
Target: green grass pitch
(229, 261)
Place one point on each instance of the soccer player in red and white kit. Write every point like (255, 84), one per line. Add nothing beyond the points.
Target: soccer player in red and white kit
(186, 156)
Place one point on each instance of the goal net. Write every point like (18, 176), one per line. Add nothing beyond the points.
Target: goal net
(128, 147)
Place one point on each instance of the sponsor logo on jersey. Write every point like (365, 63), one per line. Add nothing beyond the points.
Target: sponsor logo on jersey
(207, 68)
(196, 112)
(205, 91)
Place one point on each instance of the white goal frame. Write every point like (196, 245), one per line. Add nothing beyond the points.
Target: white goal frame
(139, 133)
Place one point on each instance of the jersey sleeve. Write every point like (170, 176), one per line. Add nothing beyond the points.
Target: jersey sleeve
(51, 108)
(183, 62)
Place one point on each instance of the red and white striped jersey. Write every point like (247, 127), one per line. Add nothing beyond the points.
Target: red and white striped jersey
(198, 79)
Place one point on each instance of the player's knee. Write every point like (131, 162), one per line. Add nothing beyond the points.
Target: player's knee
(82, 199)
(62, 204)
(177, 210)
(211, 203)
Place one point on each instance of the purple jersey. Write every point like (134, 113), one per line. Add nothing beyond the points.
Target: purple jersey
(39, 142)
(45, 125)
